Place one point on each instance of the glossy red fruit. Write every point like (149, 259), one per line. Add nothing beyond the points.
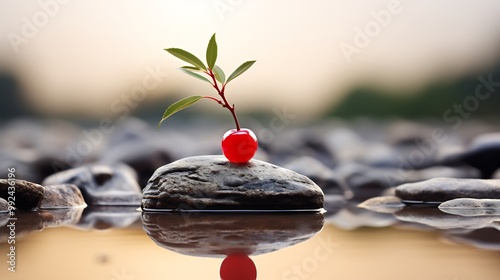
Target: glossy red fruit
(239, 146)
(238, 267)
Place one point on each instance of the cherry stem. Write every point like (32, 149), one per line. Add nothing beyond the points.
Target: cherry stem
(224, 101)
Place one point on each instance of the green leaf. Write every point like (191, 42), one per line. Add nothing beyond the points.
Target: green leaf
(211, 52)
(179, 105)
(219, 74)
(240, 70)
(196, 75)
(192, 68)
(187, 57)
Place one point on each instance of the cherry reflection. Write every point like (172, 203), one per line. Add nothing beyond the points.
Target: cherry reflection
(238, 267)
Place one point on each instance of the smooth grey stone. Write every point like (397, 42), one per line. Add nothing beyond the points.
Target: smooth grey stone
(483, 153)
(28, 195)
(471, 207)
(438, 190)
(62, 197)
(383, 204)
(213, 183)
(433, 217)
(222, 234)
(4, 206)
(101, 184)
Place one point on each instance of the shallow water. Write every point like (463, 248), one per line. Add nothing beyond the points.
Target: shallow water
(305, 248)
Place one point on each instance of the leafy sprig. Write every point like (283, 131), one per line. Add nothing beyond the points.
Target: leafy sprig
(213, 75)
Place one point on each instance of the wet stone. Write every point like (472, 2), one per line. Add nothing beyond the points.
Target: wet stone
(101, 184)
(61, 197)
(438, 190)
(28, 195)
(212, 183)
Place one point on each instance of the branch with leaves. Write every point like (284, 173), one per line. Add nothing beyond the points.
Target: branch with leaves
(216, 77)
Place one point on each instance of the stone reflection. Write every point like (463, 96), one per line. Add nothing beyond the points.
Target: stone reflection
(437, 219)
(467, 221)
(90, 218)
(224, 234)
(28, 222)
(107, 217)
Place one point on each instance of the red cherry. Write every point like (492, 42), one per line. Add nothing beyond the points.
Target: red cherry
(239, 146)
(238, 267)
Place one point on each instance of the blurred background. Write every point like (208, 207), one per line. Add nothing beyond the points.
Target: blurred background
(92, 59)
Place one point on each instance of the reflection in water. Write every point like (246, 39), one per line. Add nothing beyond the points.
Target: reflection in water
(222, 234)
(234, 236)
(106, 217)
(378, 251)
(238, 267)
(435, 218)
(36, 221)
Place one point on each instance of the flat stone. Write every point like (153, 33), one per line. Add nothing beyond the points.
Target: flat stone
(438, 190)
(212, 183)
(101, 184)
(383, 204)
(61, 197)
(28, 195)
(222, 234)
(471, 207)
